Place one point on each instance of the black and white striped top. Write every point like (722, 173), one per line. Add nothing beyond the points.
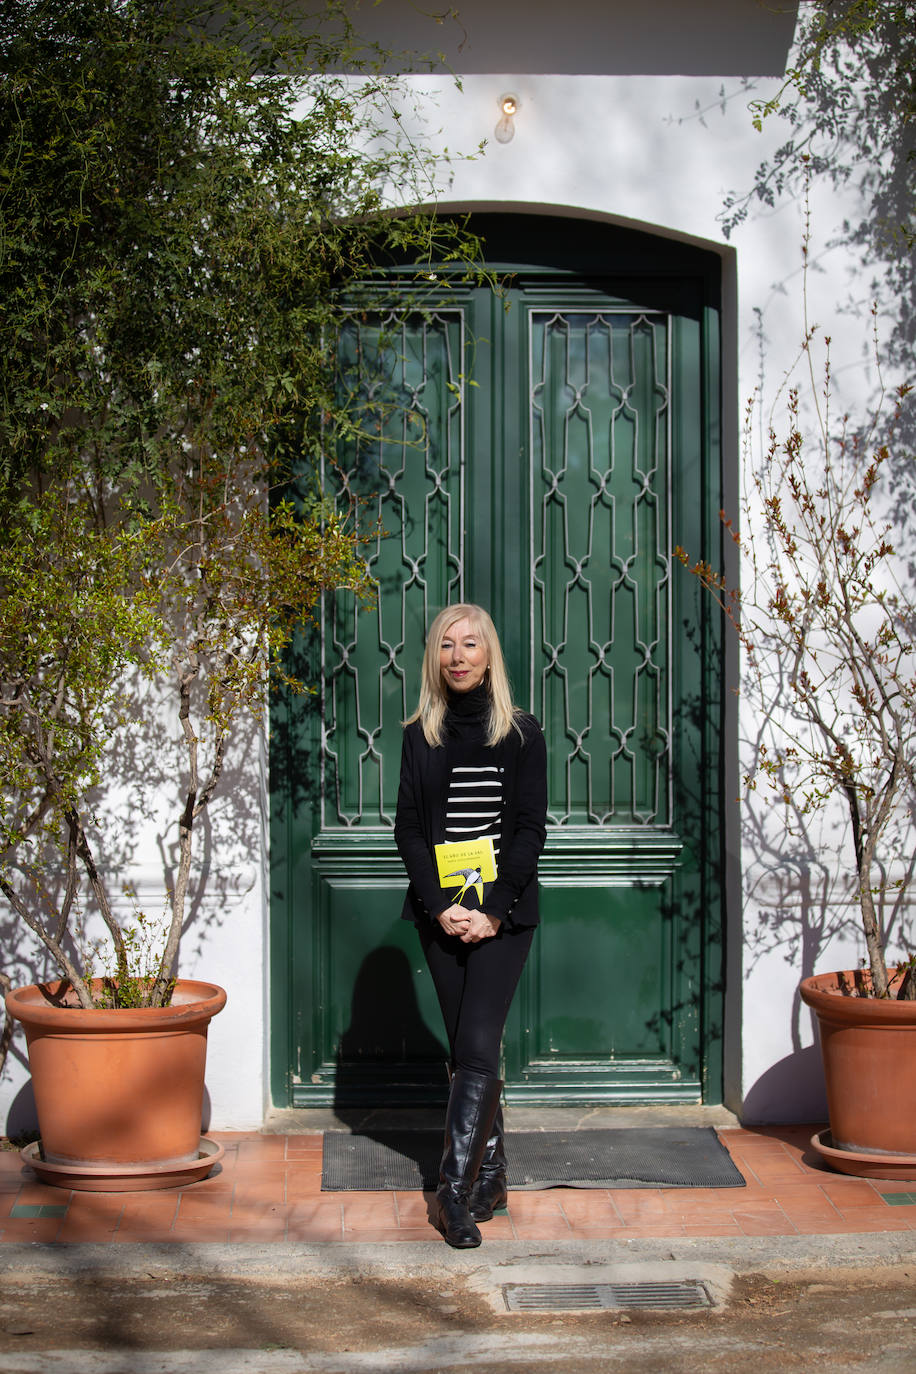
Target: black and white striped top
(475, 799)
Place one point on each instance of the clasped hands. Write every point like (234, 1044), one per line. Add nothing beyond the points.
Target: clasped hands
(470, 926)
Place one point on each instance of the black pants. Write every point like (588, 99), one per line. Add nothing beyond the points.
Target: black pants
(475, 985)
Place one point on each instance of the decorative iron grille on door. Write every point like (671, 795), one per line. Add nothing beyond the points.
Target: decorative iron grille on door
(407, 473)
(600, 572)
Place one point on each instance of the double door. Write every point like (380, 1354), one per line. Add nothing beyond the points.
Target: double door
(539, 450)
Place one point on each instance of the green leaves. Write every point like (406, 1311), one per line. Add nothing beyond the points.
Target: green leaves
(187, 190)
(849, 107)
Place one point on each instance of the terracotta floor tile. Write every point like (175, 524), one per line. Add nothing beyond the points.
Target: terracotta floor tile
(32, 1193)
(638, 1204)
(679, 1218)
(105, 1202)
(94, 1230)
(263, 1235)
(770, 1171)
(273, 1190)
(795, 1136)
(193, 1232)
(206, 1210)
(266, 1227)
(311, 1142)
(677, 1200)
(765, 1222)
(304, 1212)
(860, 1221)
(252, 1168)
(850, 1193)
(361, 1216)
(42, 1229)
(412, 1209)
(542, 1230)
(531, 1206)
(266, 1147)
(499, 1227)
(102, 1218)
(325, 1227)
(874, 1216)
(301, 1185)
(720, 1227)
(250, 1214)
(583, 1208)
(806, 1202)
(156, 1214)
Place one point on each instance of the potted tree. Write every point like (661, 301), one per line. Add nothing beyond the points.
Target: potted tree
(827, 615)
(170, 271)
(828, 610)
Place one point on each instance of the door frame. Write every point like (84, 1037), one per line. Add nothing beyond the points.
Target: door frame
(582, 245)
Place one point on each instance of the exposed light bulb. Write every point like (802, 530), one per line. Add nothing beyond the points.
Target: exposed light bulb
(508, 108)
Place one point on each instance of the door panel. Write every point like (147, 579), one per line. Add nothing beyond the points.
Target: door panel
(539, 451)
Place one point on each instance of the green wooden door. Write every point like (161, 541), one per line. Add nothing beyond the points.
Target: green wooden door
(541, 452)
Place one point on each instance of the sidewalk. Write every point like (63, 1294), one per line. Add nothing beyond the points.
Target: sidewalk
(268, 1189)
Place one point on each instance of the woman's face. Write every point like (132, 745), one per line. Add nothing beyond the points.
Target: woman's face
(463, 658)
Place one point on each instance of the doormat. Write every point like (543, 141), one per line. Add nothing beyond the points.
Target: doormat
(650, 1157)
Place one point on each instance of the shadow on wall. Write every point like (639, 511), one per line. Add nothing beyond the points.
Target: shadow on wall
(792, 1089)
(800, 879)
(135, 844)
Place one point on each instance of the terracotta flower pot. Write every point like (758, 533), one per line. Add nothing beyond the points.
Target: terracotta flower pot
(119, 1094)
(868, 1046)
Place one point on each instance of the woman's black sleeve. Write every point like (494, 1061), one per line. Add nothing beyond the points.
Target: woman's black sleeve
(518, 856)
(410, 835)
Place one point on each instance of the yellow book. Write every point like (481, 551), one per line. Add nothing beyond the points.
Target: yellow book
(466, 865)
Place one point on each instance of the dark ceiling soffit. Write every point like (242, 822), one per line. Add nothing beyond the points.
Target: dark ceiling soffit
(588, 37)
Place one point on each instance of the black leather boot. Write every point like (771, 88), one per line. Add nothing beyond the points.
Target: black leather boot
(490, 1193)
(472, 1105)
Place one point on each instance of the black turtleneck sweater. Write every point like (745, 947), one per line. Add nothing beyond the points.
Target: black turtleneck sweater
(474, 803)
(425, 813)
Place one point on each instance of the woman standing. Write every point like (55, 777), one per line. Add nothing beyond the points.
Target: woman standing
(473, 766)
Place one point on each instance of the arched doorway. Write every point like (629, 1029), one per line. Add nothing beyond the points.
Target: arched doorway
(544, 450)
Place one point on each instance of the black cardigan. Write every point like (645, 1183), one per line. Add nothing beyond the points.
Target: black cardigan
(420, 823)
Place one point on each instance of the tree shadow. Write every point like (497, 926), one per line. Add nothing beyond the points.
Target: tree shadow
(133, 832)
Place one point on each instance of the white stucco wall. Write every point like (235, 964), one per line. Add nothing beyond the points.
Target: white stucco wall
(226, 939)
(660, 151)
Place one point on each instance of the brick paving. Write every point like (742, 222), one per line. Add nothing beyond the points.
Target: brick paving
(268, 1188)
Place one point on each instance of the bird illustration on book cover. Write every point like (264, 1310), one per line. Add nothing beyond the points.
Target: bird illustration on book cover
(467, 866)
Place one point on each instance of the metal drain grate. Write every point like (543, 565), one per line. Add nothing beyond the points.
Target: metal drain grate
(596, 1297)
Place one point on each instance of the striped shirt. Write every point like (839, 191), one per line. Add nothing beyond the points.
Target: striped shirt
(475, 800)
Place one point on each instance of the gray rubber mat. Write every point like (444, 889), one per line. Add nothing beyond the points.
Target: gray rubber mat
(652, 1157)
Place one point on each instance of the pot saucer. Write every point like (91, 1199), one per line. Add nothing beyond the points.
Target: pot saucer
(123, 1178)
(862, 1164)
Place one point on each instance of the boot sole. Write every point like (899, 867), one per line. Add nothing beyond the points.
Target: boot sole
(461, 1244)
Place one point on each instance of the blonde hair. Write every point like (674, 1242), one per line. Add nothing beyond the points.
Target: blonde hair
(433, 702)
